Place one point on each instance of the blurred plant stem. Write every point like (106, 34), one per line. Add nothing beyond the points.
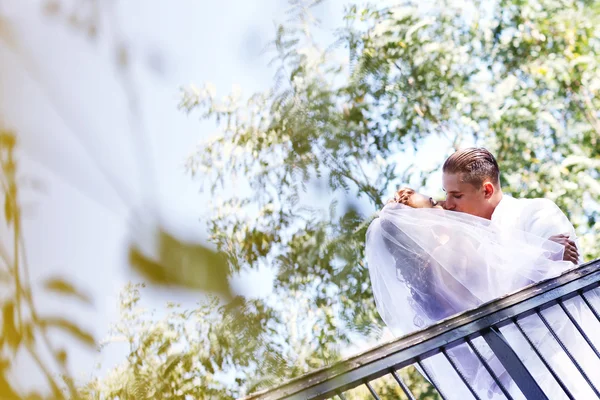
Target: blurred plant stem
(22, 327)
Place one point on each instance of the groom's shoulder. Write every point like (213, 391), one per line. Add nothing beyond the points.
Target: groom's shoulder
(528, 200)
(536, 201)
(529, 205)
(544, 218)
(538, 205)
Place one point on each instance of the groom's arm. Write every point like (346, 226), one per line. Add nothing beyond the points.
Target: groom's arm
(546, 220)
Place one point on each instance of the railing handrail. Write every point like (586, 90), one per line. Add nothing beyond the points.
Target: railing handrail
(377, 361)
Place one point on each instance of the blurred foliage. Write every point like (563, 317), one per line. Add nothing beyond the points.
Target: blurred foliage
(182, 264)
(25, 332)
(213, 351)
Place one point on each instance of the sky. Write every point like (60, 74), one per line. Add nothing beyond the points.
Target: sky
(61, 93)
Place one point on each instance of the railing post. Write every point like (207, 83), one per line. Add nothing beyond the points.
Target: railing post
(513, 365)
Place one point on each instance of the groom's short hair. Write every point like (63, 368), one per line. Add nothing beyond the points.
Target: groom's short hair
(475, 165)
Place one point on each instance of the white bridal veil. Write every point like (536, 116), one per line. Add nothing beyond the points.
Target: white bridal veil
(428, 264)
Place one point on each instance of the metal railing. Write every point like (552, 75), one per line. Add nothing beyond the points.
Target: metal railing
(465, 329)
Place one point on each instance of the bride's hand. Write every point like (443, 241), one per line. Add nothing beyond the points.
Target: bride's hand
(571, 253)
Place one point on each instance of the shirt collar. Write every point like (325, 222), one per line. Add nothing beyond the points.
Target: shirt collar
(502, 206)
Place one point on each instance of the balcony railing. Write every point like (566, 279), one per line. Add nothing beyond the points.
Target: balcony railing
(462, 329)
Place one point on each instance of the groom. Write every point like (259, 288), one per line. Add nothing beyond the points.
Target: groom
(472, 185)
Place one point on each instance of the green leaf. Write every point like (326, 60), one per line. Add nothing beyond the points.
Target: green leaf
(28, 334)
(172, 362)
(69, 327)
(61, 356)
(5, 276)
(6, 390)
(8, 139)
(9, 212)
(190, 265)
(62, 287)
(207, 363)
(10, 333)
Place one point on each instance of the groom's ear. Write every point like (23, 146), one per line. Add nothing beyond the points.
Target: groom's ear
(488, 189)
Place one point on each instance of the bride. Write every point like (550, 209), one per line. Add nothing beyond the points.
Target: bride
(427, 264)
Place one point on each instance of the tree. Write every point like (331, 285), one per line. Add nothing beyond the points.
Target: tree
(520, 78)
(213, 351)
(217, 351)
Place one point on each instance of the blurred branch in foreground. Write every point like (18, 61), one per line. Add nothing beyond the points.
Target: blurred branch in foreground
(185, 264)
(24, 330)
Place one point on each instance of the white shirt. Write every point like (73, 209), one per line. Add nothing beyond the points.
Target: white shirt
(540, 217)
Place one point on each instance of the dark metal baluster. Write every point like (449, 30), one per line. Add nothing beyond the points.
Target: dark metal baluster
(373, 393)
(543, 359)
(579, 328)
(489, 369)
(513, 365)
(405, 388)
(428, 377)
(562, 346)
(460, 374)
(590, 306)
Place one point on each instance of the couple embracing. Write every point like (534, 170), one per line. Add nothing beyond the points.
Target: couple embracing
(429, 260)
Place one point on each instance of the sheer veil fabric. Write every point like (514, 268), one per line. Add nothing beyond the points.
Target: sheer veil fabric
(428, 264)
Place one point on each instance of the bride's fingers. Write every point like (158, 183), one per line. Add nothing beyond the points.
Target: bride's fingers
(571, 255)
(573, 252)
(573, 247)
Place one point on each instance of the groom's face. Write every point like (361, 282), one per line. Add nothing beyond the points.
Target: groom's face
(462, 196)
